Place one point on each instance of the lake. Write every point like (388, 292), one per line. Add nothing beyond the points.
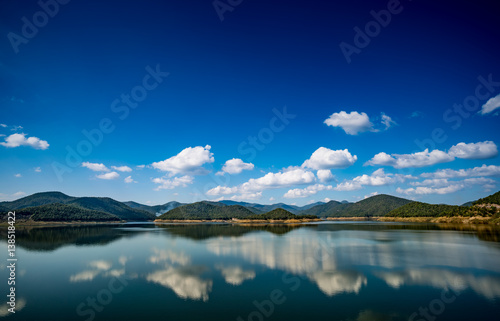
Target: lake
(330, 270)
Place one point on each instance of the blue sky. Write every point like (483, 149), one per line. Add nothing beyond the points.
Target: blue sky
(261, 101)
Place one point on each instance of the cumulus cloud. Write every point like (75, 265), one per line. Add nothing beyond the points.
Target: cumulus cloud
(418, 159)
(122, 168)
(482, 150)
(108, 176)
(325, 158)
(18, 175)
(173, 183)
(20, 139)
(377, 178)
(491, 170)
(235, 166)
(325, 175)
(37, 169)
(421, 190)
(306, 192)
(95, 167)
(129, 180)
(352, 123)
(491, 105)
(189, 160)
(479, 150)
(252, 188)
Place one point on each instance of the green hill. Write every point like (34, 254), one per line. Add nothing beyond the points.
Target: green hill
(109, 205)
(419, 209)
(62, 212)
(377, 205)
(492, 199)
(36, 200)
(206, 211)
(481, 207)
(279, 214)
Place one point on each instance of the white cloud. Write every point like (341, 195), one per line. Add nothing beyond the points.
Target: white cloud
(108, 176)
(95, 167)
(272, 199)
(37, 169)
(325, 158)
(3, 125)
(491, 170)
(222, 190)
(129, 180)
(235, 166)
(16, 140)
(252, 188)
(140, 166)
(444, 182)
(18, 175)
(246, 196)
(352, 123)
(430, 190)
(306, 192)
(122, 168)
(418, 159)
(481, 150)
(173, 183)
(377, 178)
(188, 160)
(325, 175)
(491, 105)
(387, 121)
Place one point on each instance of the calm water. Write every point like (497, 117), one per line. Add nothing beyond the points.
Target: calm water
(330, 271)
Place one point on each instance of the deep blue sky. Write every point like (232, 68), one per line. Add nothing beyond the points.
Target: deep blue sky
(226, 78)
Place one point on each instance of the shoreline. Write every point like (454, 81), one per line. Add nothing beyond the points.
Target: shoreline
(473, 220)
(243, 221)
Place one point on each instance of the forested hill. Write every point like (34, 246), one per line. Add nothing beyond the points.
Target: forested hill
(378, 205)
(206, 211)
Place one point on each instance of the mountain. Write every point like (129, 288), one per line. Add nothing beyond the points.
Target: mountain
(62, 212)
(322, 210)
(377, 205)
(109, 205)
(156, 209)
(36, 200)
(308, 206)
(279, 214)
(206, 211)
